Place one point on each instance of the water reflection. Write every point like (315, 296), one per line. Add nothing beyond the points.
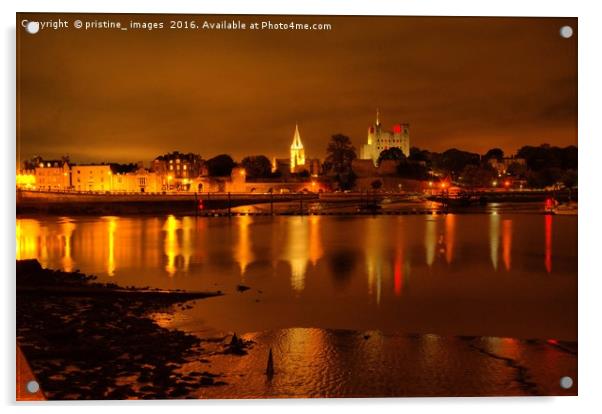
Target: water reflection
(178, 253)
(548, 254)
(450, 229)
(342, 265)
(362, 283)
(494, 238)
(507, 243)
(369, 256)
(303, 246)
(297, 252)
(316, 250)
(67, 229)
(243, 248)
(111, 227)
(430, 239)
(28, 234)
(374, 260)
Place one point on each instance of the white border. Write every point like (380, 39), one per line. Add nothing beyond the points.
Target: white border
(590, 152)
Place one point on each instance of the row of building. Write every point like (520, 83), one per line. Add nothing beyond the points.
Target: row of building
(177, 171)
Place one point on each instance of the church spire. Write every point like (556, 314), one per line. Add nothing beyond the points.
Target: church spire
(297, 138)
(297, 151)
(377, 117)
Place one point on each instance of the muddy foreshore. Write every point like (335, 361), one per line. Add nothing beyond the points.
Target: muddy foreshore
(86, 340)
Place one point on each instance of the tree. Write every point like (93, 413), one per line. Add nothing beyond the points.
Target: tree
(376, 184)
(416, 154)
(478, 175)
(569, 178)
(346, 181)
(220, 166)
(517, 169)
(544, 177)
(454, 160)
(340, 153)
(496, 153)
(412, 170)
(393, 153)
(257, 166)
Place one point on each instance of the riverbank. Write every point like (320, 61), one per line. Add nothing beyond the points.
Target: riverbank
(109, 342)
(87, 340)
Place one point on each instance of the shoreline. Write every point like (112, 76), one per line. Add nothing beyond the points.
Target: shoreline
(99, 342)
(112, 345)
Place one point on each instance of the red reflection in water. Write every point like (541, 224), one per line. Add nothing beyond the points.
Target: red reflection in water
(548, 259)
(398, 275)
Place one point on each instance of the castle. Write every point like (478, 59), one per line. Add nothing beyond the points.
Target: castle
(379, 140)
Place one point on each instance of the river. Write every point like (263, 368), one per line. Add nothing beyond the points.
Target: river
(436, 276)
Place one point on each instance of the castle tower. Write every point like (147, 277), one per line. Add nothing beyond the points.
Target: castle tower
(380, 140)
(297, 151)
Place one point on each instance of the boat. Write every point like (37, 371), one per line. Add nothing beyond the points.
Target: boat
(566, 209)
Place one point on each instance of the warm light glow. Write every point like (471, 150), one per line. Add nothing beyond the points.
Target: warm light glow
(430, 240)
(507, 243)
(450, 230)
(67, 228)
(26, 180)
(494, 183)
(494, 238)
(28, 232)
(243, 249)
(507, 183)
(297, 251)
(111, 227)
(171, 244)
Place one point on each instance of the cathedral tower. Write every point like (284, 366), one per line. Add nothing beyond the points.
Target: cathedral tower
(297, 152)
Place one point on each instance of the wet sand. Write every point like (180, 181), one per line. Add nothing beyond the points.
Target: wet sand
(336, 363)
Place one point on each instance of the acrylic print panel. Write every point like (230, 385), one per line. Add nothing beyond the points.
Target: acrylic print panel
(295, 206)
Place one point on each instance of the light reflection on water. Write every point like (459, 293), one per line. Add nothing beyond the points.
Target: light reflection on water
(409, 272)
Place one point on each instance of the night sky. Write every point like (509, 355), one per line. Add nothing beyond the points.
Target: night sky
(469, 83)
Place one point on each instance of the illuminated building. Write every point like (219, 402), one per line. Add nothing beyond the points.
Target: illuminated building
(297, 162)
(178, 170)
(26, 179)
(140, 180)
(380, 140)
(52, 175)
(92, 177)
